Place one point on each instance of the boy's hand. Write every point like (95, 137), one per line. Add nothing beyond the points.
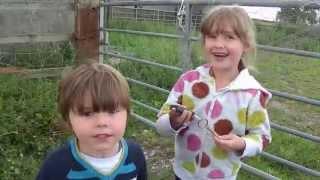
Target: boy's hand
(230, 142)
(178, 116)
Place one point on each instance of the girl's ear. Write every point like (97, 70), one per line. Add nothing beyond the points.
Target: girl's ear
(203, 40)
(246, 47)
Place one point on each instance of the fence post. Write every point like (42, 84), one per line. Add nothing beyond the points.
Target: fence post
(87, 30)
(104, 35)
(136, 13)
(109, 13)
(186, 42)
(102, 23)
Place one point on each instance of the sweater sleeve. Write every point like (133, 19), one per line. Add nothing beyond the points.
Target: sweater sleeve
(44, 171)
(56, 165)
(258, 134)
(163, 124)
(143, 168)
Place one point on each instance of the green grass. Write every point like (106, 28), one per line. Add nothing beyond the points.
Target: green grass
(41, 55)
(26, 108)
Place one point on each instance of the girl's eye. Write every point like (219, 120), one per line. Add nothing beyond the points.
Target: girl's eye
(213, 36)
(228, 36)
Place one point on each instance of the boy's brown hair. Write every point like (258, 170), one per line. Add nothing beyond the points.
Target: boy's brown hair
(106, 87)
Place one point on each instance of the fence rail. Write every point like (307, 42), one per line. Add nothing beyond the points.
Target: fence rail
(274, 92)
(269, 3)
(175, 36)
(154, 15)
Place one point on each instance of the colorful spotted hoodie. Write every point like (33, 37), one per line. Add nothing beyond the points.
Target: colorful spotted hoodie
(239, 108)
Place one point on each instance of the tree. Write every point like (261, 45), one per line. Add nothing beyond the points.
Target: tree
(297, 16)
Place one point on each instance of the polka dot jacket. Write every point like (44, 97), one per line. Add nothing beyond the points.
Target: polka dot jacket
(239, 108)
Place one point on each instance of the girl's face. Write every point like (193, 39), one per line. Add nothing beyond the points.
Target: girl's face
(223, 50)
(98, 133)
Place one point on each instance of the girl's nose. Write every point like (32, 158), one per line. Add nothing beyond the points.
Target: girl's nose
(218, 43)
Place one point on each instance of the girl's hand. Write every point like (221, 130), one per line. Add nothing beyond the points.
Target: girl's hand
(230, 142)
(178, 116)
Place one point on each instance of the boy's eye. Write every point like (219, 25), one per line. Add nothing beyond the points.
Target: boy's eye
(115, 110)
(86, 113)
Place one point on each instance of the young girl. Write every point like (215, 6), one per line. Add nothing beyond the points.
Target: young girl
(223, 94)
(94, 101)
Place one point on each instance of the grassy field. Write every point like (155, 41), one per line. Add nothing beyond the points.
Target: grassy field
(29, 120)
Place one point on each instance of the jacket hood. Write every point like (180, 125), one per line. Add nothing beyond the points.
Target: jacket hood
(244, 81)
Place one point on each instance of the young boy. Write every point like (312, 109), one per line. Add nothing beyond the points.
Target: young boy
(94, 101)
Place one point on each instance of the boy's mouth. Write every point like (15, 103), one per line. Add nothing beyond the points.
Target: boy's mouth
(102, 136)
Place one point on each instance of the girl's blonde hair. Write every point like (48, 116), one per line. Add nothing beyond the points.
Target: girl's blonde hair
(235, 16)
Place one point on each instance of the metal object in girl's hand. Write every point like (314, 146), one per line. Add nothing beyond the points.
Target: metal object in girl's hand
(202, 123)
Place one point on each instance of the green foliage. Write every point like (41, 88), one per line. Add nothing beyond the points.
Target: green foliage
(142, 26)
(293, 149)
(297, 15)
(42, 55)
(26, 119)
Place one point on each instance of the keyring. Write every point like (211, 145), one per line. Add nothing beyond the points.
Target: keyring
(202, 123)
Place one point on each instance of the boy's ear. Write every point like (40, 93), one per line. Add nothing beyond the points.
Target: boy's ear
(63, 126)
(68, 125)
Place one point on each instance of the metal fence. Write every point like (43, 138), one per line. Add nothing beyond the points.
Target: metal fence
(153, 15)
(187, 39)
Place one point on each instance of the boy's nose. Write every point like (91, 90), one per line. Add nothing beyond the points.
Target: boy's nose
(102, 120)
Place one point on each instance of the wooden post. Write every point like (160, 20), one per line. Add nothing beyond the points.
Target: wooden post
(86, 37)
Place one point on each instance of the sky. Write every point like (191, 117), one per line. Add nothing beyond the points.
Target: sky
(265, 13)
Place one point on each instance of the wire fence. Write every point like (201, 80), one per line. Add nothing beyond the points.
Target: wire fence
(150, 15)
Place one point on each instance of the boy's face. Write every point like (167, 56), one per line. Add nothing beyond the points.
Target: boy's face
(224, 49)
(98, 133)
